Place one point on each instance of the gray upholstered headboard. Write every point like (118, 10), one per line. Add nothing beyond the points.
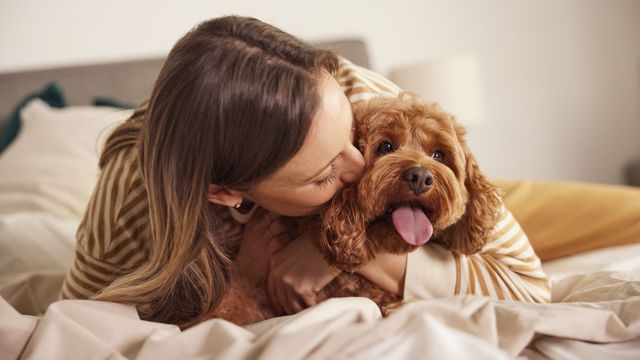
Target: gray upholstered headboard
(128, 81)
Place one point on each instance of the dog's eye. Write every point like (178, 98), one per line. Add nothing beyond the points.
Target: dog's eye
(385, 147)
(438, 155)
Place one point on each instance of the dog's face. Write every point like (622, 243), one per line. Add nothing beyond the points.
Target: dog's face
(415, 167)
(420, 180)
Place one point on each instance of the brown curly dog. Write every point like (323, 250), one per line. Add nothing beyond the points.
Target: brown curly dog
(420, 182)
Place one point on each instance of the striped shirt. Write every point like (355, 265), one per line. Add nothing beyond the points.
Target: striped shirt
(112, 237)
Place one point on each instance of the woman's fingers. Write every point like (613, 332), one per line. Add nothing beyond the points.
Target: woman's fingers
(278, 242)
(277, 227)
(296, 271)
(295, 303)
(280, 233)
(282, 298)
(308, 299)
(273, 295)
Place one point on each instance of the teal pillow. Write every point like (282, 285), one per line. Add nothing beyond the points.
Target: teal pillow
(105, 101)
(51, 94)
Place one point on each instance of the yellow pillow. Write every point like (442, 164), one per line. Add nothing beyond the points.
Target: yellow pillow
(565, 218)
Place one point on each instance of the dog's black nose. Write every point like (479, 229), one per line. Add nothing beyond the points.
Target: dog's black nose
(419, 179)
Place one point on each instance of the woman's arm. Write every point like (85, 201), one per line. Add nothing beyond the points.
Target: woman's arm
(110, 238)
(506, 268)
(359, 83)
(388, 271)
(272, 253)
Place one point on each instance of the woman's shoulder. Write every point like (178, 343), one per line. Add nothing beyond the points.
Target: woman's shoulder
(117, 214)
(124, 138)
(121, 175)
(122, 171)
(359, 83)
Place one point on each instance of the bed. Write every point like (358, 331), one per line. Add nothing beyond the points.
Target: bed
(47, 174)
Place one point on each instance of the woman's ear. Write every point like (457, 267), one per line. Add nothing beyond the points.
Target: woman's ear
(221, 195)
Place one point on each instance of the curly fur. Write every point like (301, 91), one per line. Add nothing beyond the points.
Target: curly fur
(462, 204)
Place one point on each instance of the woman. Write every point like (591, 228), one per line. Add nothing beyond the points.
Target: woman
(242, 114)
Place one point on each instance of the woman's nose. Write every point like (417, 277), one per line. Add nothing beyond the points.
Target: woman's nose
(353, 165)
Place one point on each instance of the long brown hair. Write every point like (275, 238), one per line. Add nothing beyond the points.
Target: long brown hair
(231, 105)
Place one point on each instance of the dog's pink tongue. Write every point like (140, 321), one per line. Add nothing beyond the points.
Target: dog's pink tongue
(412, 224)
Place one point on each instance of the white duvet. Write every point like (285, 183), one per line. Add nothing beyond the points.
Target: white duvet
(597, 316)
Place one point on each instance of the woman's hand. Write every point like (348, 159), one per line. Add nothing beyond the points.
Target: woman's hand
(298, 272)
(264, 234)
(387, 271)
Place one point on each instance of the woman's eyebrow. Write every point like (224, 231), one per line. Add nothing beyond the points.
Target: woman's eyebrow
(321, 170)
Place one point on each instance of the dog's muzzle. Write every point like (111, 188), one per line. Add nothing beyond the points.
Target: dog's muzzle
(418, 179)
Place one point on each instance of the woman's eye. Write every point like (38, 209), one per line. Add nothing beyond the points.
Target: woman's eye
(329, 179)
(438, 155)
(385, 147)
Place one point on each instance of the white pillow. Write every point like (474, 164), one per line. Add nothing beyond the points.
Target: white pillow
(35, 241)
(36, 250)
(52, 165)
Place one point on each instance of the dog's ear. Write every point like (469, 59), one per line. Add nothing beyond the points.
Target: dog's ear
(343, 239)
(470, 234)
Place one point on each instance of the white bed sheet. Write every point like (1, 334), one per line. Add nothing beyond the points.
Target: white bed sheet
(462, 327)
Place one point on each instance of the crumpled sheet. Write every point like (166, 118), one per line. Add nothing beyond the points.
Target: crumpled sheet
(597, 316)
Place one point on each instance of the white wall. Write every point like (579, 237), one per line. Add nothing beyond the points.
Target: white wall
(561, 78)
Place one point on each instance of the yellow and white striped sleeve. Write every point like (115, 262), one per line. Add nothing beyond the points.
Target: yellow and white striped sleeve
(506, 268)
(360, 83)
(111, 236)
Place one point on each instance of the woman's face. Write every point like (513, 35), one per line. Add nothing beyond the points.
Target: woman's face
(325, 163)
